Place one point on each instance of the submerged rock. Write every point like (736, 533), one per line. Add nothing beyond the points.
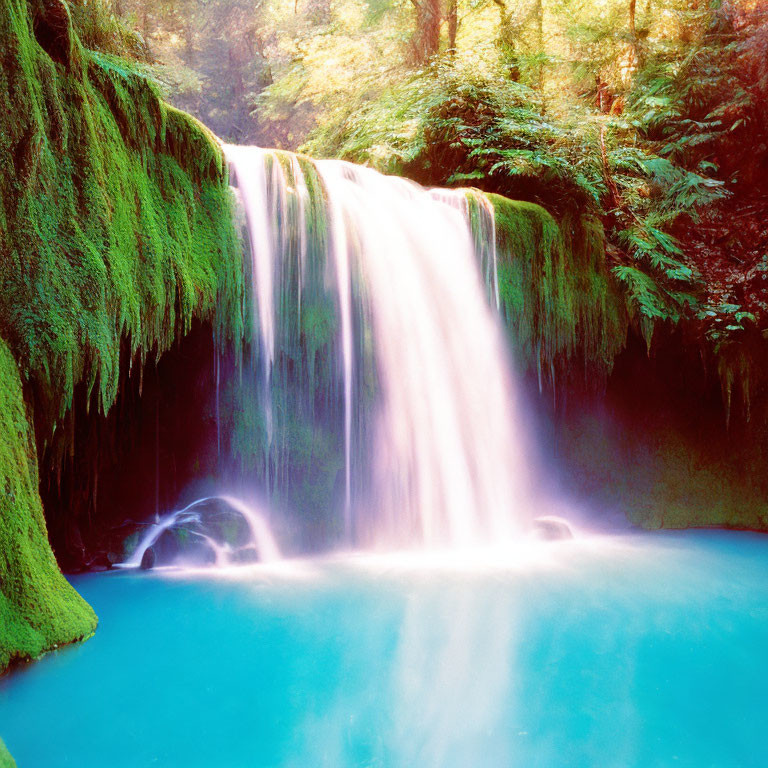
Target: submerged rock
(551, 528)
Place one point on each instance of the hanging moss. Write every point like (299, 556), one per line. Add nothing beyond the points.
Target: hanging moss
(115, 233)
(38, 607)
(563, 311)
(115, 217)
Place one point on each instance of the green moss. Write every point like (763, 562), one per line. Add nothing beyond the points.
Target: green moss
(115, 224)
(6, 761)
(38, 608)
(115, 233)
(563, 311)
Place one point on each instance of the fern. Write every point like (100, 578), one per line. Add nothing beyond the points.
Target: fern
(692, 192)
(649, 302)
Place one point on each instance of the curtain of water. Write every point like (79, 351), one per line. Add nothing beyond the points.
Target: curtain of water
(418, 385)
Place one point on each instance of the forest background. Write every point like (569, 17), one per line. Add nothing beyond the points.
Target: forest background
(651, 114)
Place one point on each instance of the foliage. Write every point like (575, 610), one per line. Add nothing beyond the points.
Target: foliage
(207, 55)
(453, 123)
(651, 124)
(704, 105)
(650, 116)
(99, 28)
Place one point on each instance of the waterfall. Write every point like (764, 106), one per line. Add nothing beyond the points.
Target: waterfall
(398, 287)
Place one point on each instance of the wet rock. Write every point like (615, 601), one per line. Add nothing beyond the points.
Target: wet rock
(211, 531)
(148, 559)
(551, 528)
(185, 543)
(130, 543)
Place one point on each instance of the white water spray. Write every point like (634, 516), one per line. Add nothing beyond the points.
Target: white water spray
(192, 521)
(438, 457)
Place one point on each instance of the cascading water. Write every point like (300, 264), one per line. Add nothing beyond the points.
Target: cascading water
(216, 530)
(418, 382)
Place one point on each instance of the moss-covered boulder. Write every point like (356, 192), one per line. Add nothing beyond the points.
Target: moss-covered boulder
(38, 608)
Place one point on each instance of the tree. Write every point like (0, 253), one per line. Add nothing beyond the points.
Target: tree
(425, 41)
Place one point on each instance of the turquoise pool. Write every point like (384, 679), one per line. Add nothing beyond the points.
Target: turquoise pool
(647, 650)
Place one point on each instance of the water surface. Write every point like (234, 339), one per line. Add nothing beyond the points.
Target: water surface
(625, 651)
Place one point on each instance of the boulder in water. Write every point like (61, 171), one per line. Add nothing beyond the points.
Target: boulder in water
(218, 530)
(148, 559)
(551, 528)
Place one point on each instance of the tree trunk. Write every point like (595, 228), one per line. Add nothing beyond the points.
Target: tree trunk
(540, 42)
(633, 39)
(506, 42)
(453, 24)
(425, 42)
(236, 72)
(189, 43)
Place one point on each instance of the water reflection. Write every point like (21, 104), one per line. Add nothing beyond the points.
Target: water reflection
(592, 653)
(427, 680)
(451, 677)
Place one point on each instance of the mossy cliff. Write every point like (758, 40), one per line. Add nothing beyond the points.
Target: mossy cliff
(38, 607)
(115, 234)
(6, 761)
(114, 212)
(565, 316)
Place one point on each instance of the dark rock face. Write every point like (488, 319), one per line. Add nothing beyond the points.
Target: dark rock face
(551, 528)
(148, 559)
(149, 427)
